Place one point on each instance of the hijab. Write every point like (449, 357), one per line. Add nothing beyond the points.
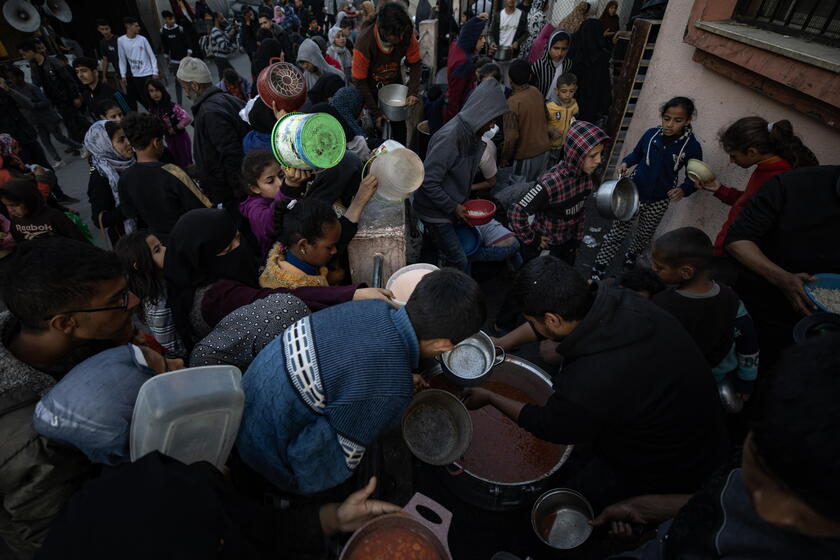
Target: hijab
(268, 49)
(105, 160)
(560, 67)
(348, 102)
(588, 47)
(590, 63)
(193, 261)
(573, 21)
(610, 23)
(279, 14)
(325, 88)
(536, 20)
(310, 52)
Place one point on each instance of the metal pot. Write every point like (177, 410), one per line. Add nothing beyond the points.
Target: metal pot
(472, 360)
(283, 84)
(437, 427)
(503, 54)
(392, 102)
(493, 495)
(560, 518)
(732, 403)
(618, 199)
(814, 325)
(410, 518)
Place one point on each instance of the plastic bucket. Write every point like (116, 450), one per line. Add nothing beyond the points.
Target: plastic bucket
(308, 141)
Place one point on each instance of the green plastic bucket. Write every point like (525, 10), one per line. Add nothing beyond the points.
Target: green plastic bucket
(308, 141)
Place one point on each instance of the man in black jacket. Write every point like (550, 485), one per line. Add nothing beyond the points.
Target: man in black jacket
(633, 384)
(175, 45)
(14, 123)
(217, 142)
(94, 90)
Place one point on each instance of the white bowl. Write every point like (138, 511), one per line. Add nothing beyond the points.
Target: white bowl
(403, 281)
(698, 171)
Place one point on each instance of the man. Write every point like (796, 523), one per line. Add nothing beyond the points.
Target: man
(221, 42)
(452, 161)
(217, 142)
(95, 90)
(248, 32)
(782, 502)
(175, 45)
(508, 29)
(289, 50)
(633, 384)
(377, 56)
(787, 232)
(109, 55)
(67, 300)
(155, 193)
(59, 86)
(136, 54)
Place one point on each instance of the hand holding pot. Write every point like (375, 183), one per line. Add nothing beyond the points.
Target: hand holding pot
(375, 293)
(676, 194)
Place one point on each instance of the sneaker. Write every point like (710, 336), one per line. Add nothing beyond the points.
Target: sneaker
(630, 260)
(57, 164)
(598, 272)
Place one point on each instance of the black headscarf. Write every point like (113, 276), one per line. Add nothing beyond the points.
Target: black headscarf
(261, 117)
(192, 261)
(591, 64)
(268, 49)
(325, 87)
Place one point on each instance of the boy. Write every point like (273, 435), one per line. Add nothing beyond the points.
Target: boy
(175, 45)
(109, 52)
(93, 89)
(710, 312)
(557, 201)
(526, 132)
(156, 193)
(234, 84)
(317, 396)
(451, 163)
(560, 115)
(108, 110)
(136, 54)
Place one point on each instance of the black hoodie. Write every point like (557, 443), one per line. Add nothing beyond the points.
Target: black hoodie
(636, 386)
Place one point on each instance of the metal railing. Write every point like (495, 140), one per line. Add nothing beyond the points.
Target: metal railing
(818, 20)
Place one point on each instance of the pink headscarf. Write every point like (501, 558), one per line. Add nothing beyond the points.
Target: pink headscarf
(538, 48)
(279, 14)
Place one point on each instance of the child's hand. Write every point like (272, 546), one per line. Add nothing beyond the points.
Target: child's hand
(296, 177)
(375, 293)
(545, 242)
(622, 170)
(419, 382)
(711, 186)
(461, 213)
(676, 194)
(367, 188)
(277, 112)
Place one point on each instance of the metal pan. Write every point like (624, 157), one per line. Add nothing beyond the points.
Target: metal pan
(503, 54)
(618, 199)
(437, 427)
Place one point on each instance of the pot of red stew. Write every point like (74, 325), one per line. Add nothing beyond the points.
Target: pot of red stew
(418, 532)
(505, 467)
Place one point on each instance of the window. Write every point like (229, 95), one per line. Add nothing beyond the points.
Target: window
(814, 19)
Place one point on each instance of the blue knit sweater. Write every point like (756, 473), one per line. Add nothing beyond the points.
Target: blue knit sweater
(659, 164)
(317, 396)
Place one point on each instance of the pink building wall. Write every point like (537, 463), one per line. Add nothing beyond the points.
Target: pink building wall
(719, 102)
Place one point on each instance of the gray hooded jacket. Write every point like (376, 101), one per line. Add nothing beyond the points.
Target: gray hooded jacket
(310, 52)
(454, 154)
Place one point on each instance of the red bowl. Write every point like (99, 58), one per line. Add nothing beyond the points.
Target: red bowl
(283, 84)
(479, 212)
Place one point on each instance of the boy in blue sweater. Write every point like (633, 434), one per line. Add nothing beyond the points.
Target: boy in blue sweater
(322, 392)
(657, 159)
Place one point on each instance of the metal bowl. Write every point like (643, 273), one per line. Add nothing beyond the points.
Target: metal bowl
(392, 101)
(617, 199)
(437, 427)
(560, 518)
(471, 360)
(503, 54)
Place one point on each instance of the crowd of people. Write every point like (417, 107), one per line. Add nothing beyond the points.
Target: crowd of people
(213, 252)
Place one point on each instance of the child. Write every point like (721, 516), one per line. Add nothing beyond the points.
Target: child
(526, 132)
(339, 51)
(557, 200)
(710, 312)
(326, 390)
(30, 215)
(553, 63)
(151, 191)
(142, 255)
(460, 72)
(560, 114)
(175, 119)
(109, 110)
(659, 155)
(771, 147)
(264, 180)
(234, 84)
(310, 236)
(313, 63)
(313, 29)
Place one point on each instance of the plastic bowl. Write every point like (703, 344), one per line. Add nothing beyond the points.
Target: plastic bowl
(479, 212)
(403, 281)
(826, 281)
(469, 237)
(698, 171)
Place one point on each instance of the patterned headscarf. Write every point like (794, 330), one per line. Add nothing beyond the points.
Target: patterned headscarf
(8, 150)
(348, 102)
(104, 158)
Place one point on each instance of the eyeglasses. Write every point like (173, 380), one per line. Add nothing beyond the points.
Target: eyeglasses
(122, 307)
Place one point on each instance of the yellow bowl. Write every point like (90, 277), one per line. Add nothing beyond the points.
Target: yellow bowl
(698, 171)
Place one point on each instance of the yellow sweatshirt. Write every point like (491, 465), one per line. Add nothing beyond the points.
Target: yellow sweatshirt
(560, 118)
(280, 274)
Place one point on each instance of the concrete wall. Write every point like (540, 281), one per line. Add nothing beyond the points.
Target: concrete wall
(719, 102)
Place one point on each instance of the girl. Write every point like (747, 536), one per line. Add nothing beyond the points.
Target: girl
(591, 64)
(348, 102)
(609, 19)
(313, 63)
(110, 155)
(30, 215)
(309, 237)
(771, 147)
(142, 255)
(460, 70)
(553, 63)
(339, 51)
(660, 154)
(264, 180)
(175, 119)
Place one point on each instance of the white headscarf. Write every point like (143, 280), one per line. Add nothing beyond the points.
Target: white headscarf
(107, 161)
(310, 52)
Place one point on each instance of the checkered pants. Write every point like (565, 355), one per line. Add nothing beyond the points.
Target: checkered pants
(650, 214)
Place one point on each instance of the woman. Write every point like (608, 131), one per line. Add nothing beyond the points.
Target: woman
(313, 63)
(591, 65)
(552, 64)
(210, 271)
(268, 49)
(536, 21)
(574, 20)
(609, 19)
(110, 155)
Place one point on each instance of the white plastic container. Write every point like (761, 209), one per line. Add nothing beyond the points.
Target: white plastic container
(403, 281)
(191, 415)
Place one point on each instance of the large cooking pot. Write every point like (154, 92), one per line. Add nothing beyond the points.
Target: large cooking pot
(392, 101)
(503, 54)
(477, 478)
(379, 535)
(283, 84)
(618, 199)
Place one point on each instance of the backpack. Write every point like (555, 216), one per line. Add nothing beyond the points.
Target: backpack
(205, 43)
